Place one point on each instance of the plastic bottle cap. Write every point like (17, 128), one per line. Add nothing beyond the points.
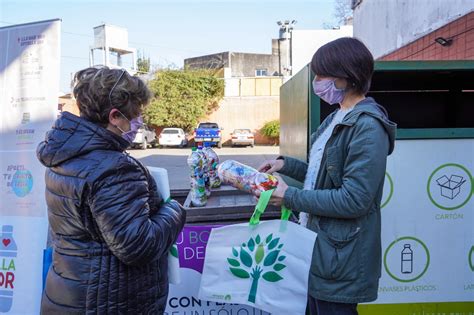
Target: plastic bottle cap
(7, 229)
(193, 149)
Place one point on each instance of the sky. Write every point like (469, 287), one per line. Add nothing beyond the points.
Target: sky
(168, 31)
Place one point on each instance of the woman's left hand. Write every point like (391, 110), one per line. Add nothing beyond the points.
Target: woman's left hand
(279, 193)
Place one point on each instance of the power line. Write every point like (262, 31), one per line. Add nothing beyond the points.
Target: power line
(420, 50)
(136, 43)
(74, 57)
(143, 44)
(77, 34)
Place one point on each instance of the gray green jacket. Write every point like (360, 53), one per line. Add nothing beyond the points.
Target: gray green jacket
(344, 206)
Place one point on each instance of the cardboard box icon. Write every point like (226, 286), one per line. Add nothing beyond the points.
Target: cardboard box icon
(450, 187)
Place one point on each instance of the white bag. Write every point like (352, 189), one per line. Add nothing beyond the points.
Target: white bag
(264, 264)
(161, 178)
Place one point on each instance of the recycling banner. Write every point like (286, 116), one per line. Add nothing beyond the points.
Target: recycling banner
(183, 297)
(265, 266)
(29, 84)
(427, 229)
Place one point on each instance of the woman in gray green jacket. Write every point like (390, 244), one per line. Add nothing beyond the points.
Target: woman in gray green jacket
(343, 181)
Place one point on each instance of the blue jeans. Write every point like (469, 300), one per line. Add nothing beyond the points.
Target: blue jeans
(319, 307)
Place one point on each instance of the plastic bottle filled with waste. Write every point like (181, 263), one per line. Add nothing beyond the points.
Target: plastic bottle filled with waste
(198, 192)
(205, 169)
(244, 177)
(212, 163)
(196, 162)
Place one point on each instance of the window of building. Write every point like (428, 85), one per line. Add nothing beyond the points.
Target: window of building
(261, 72)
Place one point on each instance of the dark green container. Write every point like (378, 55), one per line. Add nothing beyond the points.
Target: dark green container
(427, 99)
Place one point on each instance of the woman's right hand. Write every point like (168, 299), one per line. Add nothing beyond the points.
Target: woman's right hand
(271, 166)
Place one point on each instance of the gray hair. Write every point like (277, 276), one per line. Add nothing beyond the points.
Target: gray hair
(92, 87)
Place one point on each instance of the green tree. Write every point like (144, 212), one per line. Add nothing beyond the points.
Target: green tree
(271, 130)
(183, 97)
(143, 63)
(258, 258)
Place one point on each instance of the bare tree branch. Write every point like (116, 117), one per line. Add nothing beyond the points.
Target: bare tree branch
(342, 11)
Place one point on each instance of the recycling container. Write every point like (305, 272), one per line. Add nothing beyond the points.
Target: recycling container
(427, 205)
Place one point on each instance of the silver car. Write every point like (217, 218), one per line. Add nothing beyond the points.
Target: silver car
(243, 137)
(145, 137)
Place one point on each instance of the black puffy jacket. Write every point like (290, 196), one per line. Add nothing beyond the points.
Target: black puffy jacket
(111, 231)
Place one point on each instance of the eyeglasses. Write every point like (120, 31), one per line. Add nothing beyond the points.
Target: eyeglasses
(112, 90)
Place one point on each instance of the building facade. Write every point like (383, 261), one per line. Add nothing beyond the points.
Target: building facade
(386, 26)
(304, 43)
(453, 41)
(252, 89)
(235, 64)
(253, 81)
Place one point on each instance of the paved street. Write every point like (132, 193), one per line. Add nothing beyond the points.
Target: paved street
(174, 160)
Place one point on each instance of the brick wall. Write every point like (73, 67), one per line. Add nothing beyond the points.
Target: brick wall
(425, 48)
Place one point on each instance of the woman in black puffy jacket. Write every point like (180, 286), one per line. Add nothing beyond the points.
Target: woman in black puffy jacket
(111, 229)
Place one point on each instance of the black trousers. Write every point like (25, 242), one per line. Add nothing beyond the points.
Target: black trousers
(319, 307)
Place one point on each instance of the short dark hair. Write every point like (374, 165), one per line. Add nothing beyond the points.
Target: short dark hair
(347, 58)
(92, 87)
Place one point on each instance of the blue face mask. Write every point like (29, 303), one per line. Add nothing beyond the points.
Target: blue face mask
(135, 125)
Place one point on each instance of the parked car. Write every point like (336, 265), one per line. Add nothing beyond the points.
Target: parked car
(173, 137)
(208, 133)
(243, 137)
(145, 136)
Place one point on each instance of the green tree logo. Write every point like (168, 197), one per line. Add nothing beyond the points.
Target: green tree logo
(471, 258)
(256, 259)
(174, 251)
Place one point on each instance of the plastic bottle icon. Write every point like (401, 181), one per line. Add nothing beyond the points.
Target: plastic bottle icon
(407, 259)
(8, 251)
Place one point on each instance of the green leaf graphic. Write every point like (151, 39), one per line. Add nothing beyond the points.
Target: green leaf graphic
(269, 238)
(240, 273)
(235, 252)
(271, 258)
(174, 251)
(257, 239)
(279, 267)
(259, 254)
(281, 258)
(273, 243)
(245, 258)
(251, 244)
(280, 246)
(233, 262)
(271, 276)
(471, 258)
